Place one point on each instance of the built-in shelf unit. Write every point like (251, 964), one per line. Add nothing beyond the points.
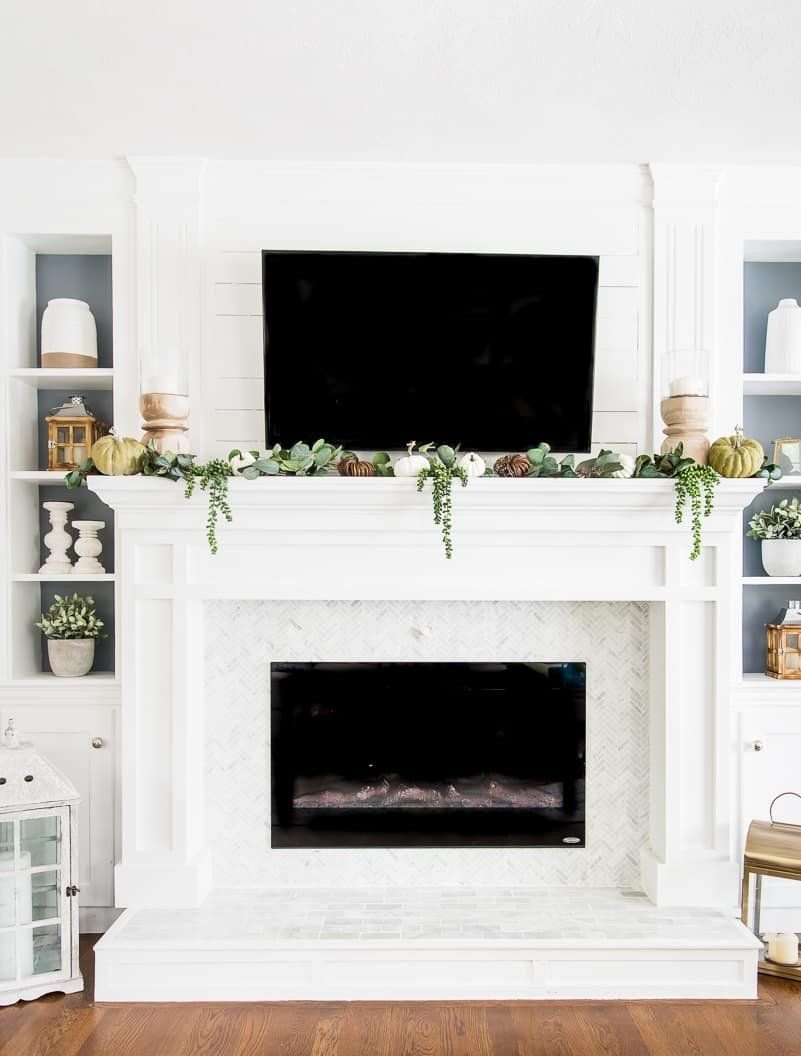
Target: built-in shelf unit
(35, 270)
(771, 409)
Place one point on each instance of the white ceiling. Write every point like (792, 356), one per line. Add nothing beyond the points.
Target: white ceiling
(466, 80)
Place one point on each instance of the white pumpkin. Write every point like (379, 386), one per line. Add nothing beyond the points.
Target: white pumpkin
(410, 465)
(241, 461)
(627, 464)
(473, 464)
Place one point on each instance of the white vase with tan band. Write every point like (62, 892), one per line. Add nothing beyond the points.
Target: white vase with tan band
(69, 334)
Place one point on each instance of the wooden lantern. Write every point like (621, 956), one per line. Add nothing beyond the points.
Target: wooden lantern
(783, 650)
(772, 848)
(72, 428)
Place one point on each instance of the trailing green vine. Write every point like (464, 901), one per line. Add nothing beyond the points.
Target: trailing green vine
(442, 469)
(695, 485)
(213, 478)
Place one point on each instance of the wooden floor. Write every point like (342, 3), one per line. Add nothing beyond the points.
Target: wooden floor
(75, 1026)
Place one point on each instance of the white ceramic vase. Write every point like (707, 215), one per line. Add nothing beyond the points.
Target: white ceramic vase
(781, 557)
(69, 334)
(783, 342)
(71, 657)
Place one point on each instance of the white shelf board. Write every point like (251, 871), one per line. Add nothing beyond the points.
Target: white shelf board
(36, 577)
(770, 581)
(89, 379)
(772, 384)
(758, 680)
(790, 481)
(39, 476)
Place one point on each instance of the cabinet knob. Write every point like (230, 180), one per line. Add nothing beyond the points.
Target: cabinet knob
(757, 746)
(97, 742)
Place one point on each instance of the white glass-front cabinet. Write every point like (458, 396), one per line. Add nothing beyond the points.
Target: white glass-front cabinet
(38, 871)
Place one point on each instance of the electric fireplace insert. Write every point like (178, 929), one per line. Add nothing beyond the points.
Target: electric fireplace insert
(428, 754)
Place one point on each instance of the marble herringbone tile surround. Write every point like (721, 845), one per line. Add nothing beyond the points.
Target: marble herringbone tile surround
(243, 637)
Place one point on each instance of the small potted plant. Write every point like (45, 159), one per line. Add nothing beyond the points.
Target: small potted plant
(779, 528)
(71, 627)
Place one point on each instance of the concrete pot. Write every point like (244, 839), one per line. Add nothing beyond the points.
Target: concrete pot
(781, 557)
(71, 657)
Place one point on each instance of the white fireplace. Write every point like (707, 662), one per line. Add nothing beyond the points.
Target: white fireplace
(330, 569)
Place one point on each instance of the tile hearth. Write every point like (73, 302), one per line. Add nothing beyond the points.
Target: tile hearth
(424, 942)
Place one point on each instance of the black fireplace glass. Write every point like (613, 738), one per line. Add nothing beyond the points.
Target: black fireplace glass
(386, 754)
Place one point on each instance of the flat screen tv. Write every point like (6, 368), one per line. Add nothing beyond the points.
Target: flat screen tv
(371, 350)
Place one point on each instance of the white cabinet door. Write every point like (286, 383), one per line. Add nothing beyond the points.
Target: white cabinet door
(66, 734)
(770, 758)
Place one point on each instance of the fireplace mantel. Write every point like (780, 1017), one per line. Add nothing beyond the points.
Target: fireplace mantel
(361, 539)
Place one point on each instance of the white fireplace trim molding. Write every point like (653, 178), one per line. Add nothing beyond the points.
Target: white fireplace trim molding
(330, 538)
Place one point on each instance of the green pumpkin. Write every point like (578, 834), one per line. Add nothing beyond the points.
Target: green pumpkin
(117, 456)
(734, 456)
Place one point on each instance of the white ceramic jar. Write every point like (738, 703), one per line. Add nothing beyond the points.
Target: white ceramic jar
(781, 557)
(69, 334)
(783, 342)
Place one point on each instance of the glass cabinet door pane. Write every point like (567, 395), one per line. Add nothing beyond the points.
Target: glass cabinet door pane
(79, 434)
(47, 949)
(62, 434)
(6, 898)
(7, 837)
(61, 455)
(45, 894)
(41, 837)
(78, 453)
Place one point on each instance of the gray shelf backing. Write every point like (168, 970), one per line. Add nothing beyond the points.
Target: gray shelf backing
(764, 285)
(84, 277)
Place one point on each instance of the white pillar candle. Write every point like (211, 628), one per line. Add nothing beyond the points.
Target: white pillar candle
(21, 883)
(783, 948)
(688, 386)
(164, 383)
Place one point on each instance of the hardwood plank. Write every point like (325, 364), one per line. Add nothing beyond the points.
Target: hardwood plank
(366, 1030)
(672, 1028)
(607, 1029)
(465, 1031)
(417, 1029)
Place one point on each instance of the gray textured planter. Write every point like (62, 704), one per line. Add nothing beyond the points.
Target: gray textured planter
(71, 657)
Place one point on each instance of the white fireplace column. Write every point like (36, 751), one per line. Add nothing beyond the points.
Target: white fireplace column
(543, 540)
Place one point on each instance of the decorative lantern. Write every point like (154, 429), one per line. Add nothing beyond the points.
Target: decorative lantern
(38, 871)
(72, 428)
(772, 848)
(784, 644)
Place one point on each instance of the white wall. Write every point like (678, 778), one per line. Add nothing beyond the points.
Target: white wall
(466, 80)
(517, 209)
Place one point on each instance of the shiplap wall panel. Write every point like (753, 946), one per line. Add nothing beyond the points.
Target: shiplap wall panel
(235, 350)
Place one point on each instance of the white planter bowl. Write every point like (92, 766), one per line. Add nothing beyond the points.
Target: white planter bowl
(71, 657)
(781, 557)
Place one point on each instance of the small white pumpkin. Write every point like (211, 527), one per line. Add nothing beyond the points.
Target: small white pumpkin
(627, 464)
(241, 461)
(410, 465)
(473, 464)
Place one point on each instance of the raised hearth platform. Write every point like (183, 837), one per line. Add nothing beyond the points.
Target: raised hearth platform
(424, 944)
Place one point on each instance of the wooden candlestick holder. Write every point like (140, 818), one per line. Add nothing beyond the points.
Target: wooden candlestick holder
(165, 417)
(686, 421)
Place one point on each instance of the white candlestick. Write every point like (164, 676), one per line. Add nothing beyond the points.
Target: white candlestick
(88, 548)
(688, 386)
(58, 540)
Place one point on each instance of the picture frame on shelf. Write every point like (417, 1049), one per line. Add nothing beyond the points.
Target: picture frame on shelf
(787, 455)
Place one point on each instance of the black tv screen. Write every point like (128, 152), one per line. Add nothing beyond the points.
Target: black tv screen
(372, 350)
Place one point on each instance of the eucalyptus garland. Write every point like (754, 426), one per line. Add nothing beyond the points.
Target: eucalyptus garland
(442, 469)
(695, 485)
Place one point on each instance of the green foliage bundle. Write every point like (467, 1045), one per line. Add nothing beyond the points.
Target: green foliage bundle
(71, 617)
(442, 469)
(779, 522)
